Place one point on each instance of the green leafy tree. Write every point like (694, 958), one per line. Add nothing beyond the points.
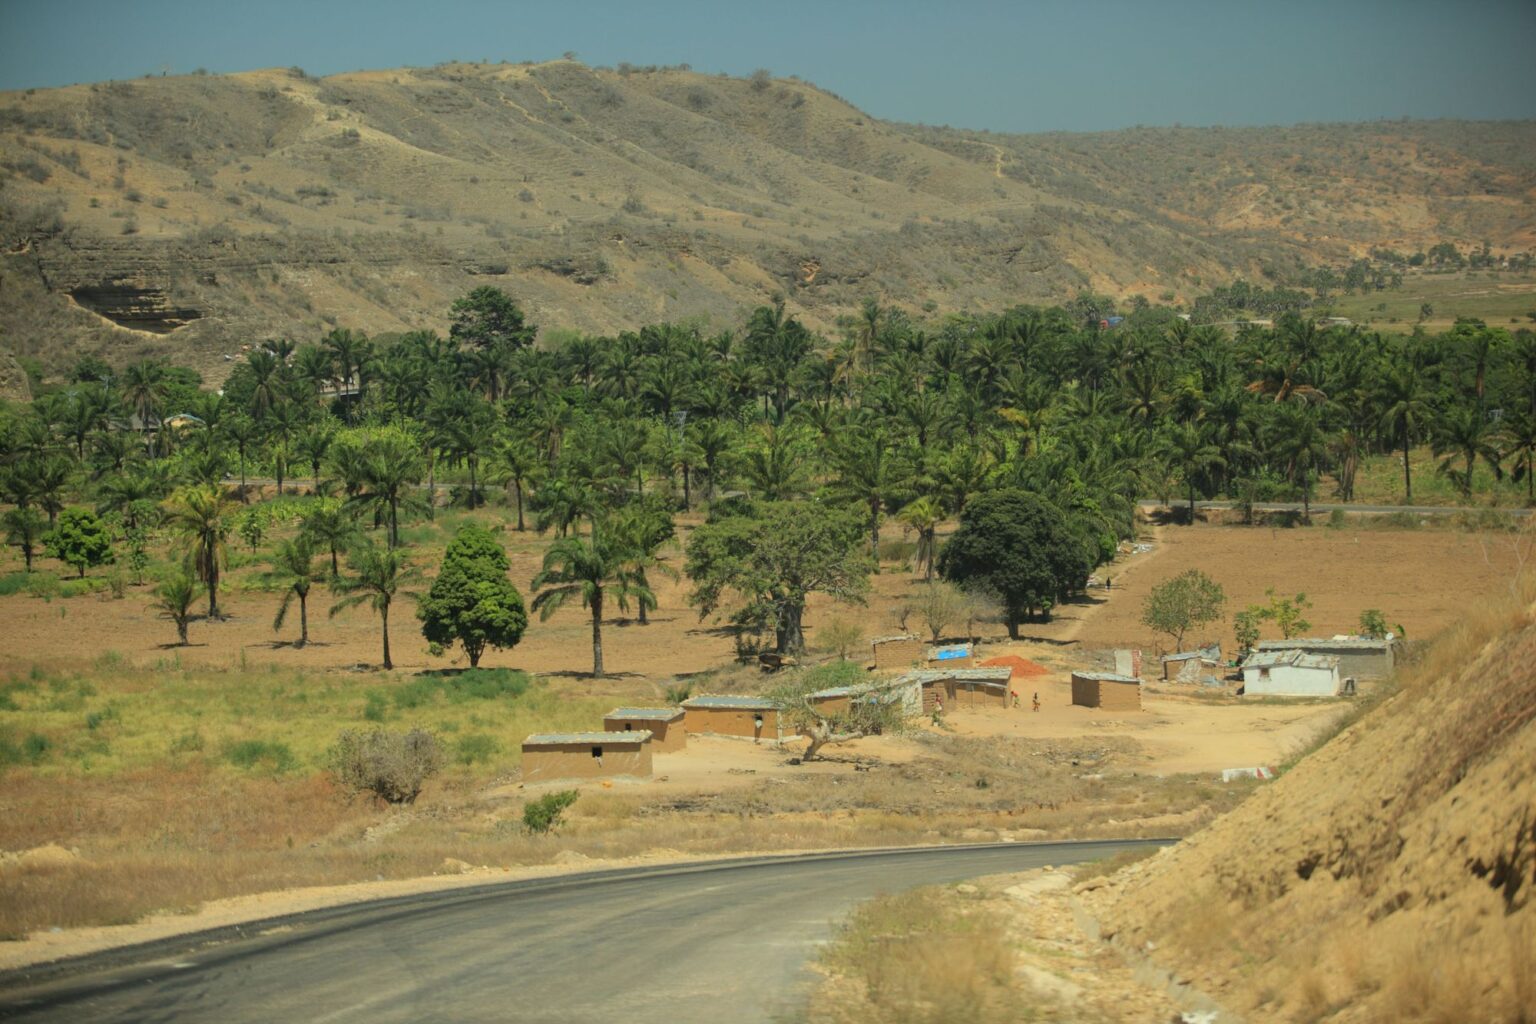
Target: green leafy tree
(874, 708)
(173, 598)
(770, 557)
(1465, 434)
(294, 570)
(377, 578)
(1287, 613)
(1020, 547)
(25, 529)
(1245, 629)
(329, 523)
(1189, 449)
(1185, 602)
(80, 540)
(472, 601)
(1405, 409)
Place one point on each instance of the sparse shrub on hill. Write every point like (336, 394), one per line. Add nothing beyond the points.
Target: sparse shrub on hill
(543, 815)
(393, 766)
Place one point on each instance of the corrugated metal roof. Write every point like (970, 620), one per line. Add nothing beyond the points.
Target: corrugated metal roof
(656, 714)
(1353, 643)
(1290, 657)
(728, 702)
(838, 691)
(546, 739)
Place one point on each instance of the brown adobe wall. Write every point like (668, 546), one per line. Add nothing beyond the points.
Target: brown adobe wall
(900, 653)
(666, 737)
(575, 761)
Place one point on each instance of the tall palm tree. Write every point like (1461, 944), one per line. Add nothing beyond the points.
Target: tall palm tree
(293, 569)
(588, 568)
(1405, 409)
(519, 465)
(203, 515)
(312, 445)
(389, 468)
(24, 529)
(144, 387)
(1191, 453)
(924, 516)
(1520, 437)
(469, 436)
(328, 522)
(378, 574)
(1300, 441)
(243, 433)
(1464, 433)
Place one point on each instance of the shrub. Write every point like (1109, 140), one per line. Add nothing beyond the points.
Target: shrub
(375, 709)
(270, 755)
(393, 766)
(678, 692)
(476, 748)
(543, 815)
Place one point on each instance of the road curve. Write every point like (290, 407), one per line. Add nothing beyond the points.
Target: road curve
(723, 941)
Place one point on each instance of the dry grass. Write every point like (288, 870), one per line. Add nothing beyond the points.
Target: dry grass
(922, 957)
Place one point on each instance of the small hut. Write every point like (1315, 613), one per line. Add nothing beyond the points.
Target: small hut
(753, 718)
(901, 651)
(668, 733)
(550, 757)
(1106, 690)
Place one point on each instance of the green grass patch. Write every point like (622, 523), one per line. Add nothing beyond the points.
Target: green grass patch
(261, 755)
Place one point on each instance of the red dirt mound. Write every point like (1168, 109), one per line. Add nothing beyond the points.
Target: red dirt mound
(1021, 666)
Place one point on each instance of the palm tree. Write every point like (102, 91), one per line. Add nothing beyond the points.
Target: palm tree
(312, 445)
(871, 471)
(25, 528)
(242, 432)
(144, 388)
(1520, 434)
(293, 568)
(389, 469)
(466, 438)
(1300, 441)
(1404, 410)
(586, 568)
(173, 599)
(203, 515)
(328, 522)
(638, 533)
(519, 465)
(924, 516)
(378, 573)
(1464, 433)
(1191, 453)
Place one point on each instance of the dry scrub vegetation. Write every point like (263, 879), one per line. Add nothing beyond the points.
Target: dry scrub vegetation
(158, 790)
(1389, 876)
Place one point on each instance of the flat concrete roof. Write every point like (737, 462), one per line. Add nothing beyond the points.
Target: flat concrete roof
(999, 675)
(1352, 643)
(552, 739)
(652, 714)
(727, 703)
(1107, 677)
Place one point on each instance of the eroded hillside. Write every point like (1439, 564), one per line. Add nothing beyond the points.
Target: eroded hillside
(187, 215)
(1391, 875)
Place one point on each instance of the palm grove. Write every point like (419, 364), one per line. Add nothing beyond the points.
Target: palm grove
(1035, 428)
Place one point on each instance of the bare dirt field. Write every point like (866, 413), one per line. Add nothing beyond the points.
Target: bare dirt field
(1419, 578)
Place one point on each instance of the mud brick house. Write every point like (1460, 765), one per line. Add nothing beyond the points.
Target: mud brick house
(668, 733)
(574, 756)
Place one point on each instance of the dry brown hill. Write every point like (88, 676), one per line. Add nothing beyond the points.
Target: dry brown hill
(1391, 875)
(187, 215)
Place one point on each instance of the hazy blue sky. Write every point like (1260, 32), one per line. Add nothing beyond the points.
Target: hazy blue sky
(1031, 65)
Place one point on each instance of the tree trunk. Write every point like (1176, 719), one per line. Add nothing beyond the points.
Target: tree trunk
(303, 618)
(243, 499)
(181, 631)
(335, 563)
(518, 487)
(278, 466)
(1407, 472)
(597, 634)
(26, 553)
(687, 492)
(874, 530)
(316, 467)
(1306, 502)
(474, 651)
(474, 493)
(791, 634)
(394, 522)
(213, 586)
(1013, 624)
(384, 616)
(1191, 504)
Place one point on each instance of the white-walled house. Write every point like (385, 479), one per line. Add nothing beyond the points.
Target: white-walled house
(1291, 673)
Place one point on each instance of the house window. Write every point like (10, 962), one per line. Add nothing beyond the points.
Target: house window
(629, 726)
(597, 752)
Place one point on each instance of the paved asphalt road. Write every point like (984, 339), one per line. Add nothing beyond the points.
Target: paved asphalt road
(709, 943)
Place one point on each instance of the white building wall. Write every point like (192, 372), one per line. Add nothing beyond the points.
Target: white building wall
(1292, 681)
